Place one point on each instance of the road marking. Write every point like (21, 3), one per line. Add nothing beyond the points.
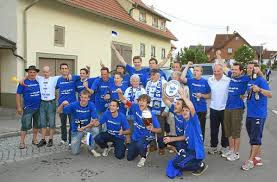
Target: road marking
(275, 112)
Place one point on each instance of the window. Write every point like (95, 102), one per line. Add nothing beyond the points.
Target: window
(155, 22)
(59, 35)
(163, 53)
(162, 25)
(142, 50)
(153, 51)
(230, 50)
(237, 38)
(142, 16)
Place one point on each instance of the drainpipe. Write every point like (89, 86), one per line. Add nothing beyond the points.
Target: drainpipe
(25, 31)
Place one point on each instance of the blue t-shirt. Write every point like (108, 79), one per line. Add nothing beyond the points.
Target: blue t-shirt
(194, 138)
(67, 89)
(257, 108)
(140, 130)
(179, 122)
(115, 124)
(114, 95)
(81, 116)
(237, 87)
(101, 88)
(198, 86)
(80, 87)
(142, 73)
(126, 80)
(31, 94)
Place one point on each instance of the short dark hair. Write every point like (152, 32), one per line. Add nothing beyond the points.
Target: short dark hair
(184, 105)
(85, 69)
(63, 64)
(153, 59)
(120, 66)
(239, 65)
(137, 57)
(120, 74)
(116, 101)
(145, 97)
(105, 69)
(178, 62)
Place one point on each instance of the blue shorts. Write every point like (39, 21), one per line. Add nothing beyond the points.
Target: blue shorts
(30, 119)
(254, 127)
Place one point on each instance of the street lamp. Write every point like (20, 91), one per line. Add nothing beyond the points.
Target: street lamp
(261, 49)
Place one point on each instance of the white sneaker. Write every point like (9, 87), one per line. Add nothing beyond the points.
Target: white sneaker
(95, 154)
(224, 150)
(141, 162)
(247, 165)
(227, 153)
(212, 150)
(105, 152)
(233, 157)
(62, 142)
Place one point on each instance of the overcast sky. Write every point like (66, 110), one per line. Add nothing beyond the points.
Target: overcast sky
(198, 21)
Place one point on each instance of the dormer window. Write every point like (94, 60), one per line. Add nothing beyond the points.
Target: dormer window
(142, 16)
(155, 22)
(162, 25)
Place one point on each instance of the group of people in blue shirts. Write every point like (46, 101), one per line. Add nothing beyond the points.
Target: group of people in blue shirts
(110, 112)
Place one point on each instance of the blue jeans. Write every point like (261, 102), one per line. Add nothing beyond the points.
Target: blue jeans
(47, 114)
(64, 127)
(119, 147)
(77, 138)
(136, 148)
(30, 118)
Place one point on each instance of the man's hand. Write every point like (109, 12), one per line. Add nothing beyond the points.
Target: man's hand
(107, 97)
(256, 88)
(169, 55)
(198, 95)
(101, 64)
(120, 132)
(113, 47)
(150, 127)
(19, 111)
(69, 77)
(119, 91)
(167, 140)
(81, 129)
(190, 63)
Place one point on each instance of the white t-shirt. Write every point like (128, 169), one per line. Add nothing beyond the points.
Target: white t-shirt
(47, 87)
(219, 92)
(152, 87)
(134, 92)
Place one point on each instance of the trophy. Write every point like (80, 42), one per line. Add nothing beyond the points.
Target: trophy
(171, 89)
(147, 117)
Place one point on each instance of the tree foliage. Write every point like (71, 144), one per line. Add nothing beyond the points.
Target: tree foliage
(244, 54)
(196, 55)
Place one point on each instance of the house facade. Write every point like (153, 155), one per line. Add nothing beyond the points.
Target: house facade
(78, 32)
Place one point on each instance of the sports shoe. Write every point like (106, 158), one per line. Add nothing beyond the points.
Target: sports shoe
(247, 165)
(233, 157)
(223, 150)
(105, 152)
(227, 153)
(41, 143)
(62, 142)
(95, 154)
(258, 161)
(141, 162)
(212, 150)
(50, 143)
(200, 170)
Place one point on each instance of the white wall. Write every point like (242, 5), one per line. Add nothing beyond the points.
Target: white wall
(8, 19)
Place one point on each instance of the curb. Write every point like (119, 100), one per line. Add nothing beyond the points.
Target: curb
(16, 133)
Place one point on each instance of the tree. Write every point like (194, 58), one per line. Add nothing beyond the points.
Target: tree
(244, 54)
(196, 55)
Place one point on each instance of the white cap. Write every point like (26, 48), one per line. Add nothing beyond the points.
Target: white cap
(146, 114)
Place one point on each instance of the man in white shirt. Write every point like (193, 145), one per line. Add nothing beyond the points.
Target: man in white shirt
(154, 89)
(47, 86)
(219, 84)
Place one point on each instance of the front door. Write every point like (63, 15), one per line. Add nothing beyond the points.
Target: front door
(126, 53)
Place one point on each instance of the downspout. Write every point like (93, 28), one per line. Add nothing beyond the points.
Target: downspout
(25, 31)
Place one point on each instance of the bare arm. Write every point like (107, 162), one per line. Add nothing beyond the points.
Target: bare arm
(166, 100)
(174, 139)
(169, 55)
(121, 96)
(18, 104)
(266, 93)
(185, 71)
(118, 55)
(187, 101)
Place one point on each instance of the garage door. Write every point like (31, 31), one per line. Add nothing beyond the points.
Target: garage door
(54, 65)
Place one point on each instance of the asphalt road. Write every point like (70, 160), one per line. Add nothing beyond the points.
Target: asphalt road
(85, 168)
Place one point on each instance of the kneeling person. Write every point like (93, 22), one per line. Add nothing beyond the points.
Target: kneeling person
(117, 127)
(190, 157)
(84, 118)
(143, 133)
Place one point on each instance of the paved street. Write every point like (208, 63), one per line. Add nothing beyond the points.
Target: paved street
(57, 164)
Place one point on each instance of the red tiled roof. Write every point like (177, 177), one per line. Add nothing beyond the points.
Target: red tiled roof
(144, 6)
(268, 54)
(112, 9)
